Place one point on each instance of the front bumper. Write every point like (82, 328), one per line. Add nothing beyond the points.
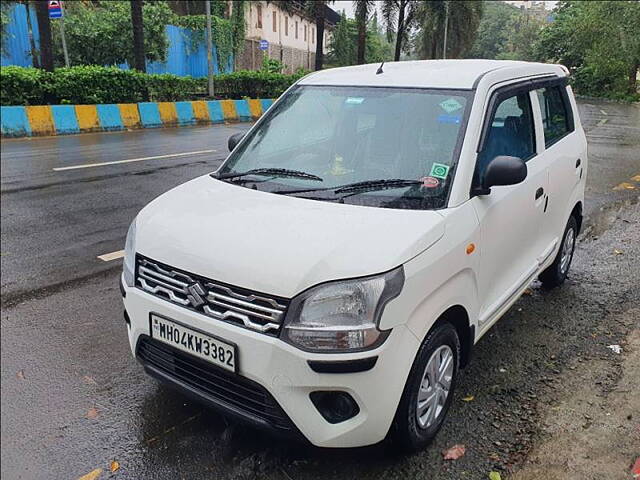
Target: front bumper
(284, 374)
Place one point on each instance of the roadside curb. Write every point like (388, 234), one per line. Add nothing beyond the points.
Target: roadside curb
(41, 120)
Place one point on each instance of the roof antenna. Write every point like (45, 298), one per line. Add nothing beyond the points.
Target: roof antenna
(379, 71)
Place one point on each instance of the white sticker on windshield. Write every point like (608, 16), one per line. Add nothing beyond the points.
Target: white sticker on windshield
(450, 105)
(354, 100)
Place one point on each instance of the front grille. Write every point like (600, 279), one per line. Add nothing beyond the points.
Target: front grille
(224, 302)
(215, 384)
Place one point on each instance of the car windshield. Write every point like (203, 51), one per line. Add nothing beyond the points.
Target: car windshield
(317, 139)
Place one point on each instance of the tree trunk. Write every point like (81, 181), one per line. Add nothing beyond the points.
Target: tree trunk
(633, 77)
(319, 34)
(44, 28)
(362, 38)
(400, 33)
(34, 51)
(138, 36)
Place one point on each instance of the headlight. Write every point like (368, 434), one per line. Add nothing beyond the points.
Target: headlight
(129, 263)
(342, 316)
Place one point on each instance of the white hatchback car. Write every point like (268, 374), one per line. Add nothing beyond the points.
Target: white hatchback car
(333, 276)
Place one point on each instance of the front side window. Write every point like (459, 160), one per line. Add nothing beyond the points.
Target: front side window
(347, 135)
(511, 132)
(555, 119)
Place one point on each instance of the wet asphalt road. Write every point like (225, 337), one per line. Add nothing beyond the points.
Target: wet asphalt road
(73, 399)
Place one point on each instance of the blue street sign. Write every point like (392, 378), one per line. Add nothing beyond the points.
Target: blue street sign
(264, 45)
(55, 9)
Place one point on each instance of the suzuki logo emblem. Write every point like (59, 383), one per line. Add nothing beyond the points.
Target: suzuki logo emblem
(195, 294)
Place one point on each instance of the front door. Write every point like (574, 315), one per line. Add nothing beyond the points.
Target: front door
(510, 216)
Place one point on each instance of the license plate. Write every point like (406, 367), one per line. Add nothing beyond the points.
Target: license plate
(191, 341)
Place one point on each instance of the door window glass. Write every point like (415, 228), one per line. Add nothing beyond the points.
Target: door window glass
(511, 132)
(555, 119)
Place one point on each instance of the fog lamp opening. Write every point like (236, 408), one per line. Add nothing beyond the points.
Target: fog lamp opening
(335, 406)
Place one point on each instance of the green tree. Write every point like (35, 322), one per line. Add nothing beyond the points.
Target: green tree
(599, 42)
(341, 49)
(507, 32)
(494, 30)
(5, 8)
(363, 9)
(462, 19)
(399, 16)
(343, 46)
(99, 35)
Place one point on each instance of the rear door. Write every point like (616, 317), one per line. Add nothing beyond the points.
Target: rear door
(510, 216)
(562, 153)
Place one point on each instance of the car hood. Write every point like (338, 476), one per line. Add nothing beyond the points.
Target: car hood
(277, 244)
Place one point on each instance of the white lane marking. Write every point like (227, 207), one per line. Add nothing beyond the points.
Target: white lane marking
(603, 121)
(603, 112)
(130, 160)
(107, 257)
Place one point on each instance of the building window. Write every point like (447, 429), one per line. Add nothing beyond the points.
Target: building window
(305, 33)
(296, 29)
(313, 34)
(275, 21)
(286, 26)
(259, 12)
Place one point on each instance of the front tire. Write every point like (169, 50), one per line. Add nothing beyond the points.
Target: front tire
(556, 273)
(428, 392)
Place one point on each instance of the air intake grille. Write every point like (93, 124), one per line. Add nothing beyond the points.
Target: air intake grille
(224, 302)
(217, 385)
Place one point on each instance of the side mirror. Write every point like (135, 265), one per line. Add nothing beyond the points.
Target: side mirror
(503, 170)
(234, 140)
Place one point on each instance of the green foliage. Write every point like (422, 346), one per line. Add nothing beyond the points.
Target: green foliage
(101, 34)
(463, 22)
(254, 84)
(5, 7)
(93, 84)
(343, 47)
(598, 41)
(227, 34)
(170, 88)
(507, 33)
(22, 86)
(272, 65)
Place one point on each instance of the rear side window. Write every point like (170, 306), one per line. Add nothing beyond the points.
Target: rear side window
(555, 116)
(511, 132)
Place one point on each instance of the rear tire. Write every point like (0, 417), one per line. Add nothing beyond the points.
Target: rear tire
(556, 273)
(428, 392)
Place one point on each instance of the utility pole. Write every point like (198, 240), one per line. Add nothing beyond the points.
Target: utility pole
(446, 27)
(64, 39)
(207, 6)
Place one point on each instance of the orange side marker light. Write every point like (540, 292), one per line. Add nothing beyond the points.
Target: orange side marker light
(470, 248)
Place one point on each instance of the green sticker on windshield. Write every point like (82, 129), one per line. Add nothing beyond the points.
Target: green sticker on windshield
(450, 105)
(439, 170)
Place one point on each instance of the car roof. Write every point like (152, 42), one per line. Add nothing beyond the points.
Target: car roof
(453, 74)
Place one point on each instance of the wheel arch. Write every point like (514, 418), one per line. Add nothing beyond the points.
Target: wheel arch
(577, 214)
(458, 316)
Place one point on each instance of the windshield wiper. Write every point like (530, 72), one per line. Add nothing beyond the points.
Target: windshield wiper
(367, 185)
(276, 172)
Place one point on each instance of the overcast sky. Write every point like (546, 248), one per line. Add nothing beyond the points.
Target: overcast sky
(347, 6)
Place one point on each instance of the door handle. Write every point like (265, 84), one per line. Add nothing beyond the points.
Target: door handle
(539, 192)
(578, 163)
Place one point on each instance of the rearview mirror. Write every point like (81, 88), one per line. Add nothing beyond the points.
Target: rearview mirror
(234, 140)
(503, 170)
